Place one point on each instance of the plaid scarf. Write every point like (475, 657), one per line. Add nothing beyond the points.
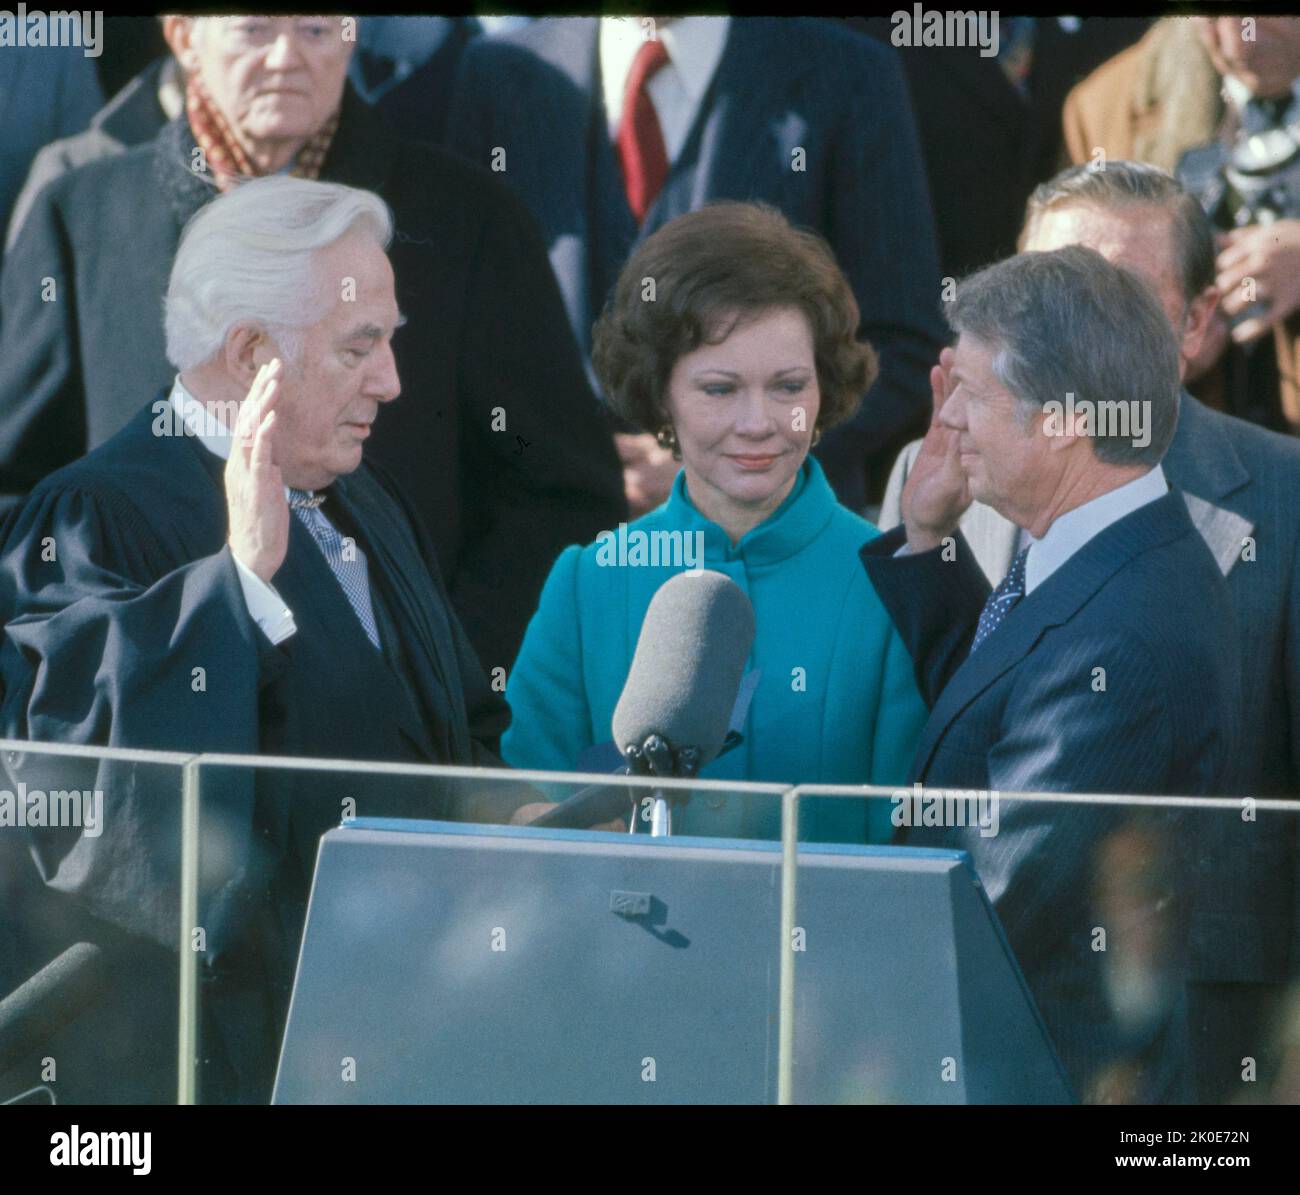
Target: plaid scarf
(226, 158)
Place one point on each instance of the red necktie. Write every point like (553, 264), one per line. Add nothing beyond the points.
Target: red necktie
(641, 148)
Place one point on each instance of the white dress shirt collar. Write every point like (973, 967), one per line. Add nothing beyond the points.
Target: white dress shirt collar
(694, 46)
(1072, 530)
(200, 421)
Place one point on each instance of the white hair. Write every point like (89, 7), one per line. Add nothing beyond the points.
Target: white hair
(249, 256)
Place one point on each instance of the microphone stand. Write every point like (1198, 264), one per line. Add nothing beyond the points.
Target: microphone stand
(656, 757)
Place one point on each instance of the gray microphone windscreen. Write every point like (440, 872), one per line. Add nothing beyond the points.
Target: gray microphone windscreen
(689, 662)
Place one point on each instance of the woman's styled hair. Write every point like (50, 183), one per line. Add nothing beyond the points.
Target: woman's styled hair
(249, 255)
(699, 276)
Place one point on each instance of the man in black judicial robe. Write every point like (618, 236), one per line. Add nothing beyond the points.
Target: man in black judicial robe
(159, 597)
(500, 446)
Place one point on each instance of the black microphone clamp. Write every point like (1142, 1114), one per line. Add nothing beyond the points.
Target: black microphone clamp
(657, 757)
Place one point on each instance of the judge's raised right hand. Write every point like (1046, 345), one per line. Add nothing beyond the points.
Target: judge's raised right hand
(937, 491)
(259, 512)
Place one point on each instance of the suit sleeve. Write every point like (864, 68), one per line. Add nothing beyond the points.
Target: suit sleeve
(547, 694)
(934, 598)
(549, 479)
(42, 403)
(881, 227)
(104, 638)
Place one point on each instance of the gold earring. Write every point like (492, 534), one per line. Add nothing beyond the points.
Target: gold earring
(666, 437)
(816, 437)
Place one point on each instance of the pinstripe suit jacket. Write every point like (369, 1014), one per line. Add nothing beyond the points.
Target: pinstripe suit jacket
(1240, 483)
(1116, 675)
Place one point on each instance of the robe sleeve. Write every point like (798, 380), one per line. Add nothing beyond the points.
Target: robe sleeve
(113, 646)
(110, 642)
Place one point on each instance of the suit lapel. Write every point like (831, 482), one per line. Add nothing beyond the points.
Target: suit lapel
(1014, 640)
(1052, 604)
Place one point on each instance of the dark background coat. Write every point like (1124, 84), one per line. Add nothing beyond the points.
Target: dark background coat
(781, 84)
(985, 145)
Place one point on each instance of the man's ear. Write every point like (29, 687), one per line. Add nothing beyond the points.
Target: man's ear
(179, 34)
(246, 350)
(1197, 322)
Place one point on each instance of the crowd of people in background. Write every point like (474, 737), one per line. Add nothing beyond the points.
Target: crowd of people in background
(779, 284)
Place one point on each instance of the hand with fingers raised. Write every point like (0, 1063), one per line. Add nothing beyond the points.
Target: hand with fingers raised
(259, 512)
(937, 491)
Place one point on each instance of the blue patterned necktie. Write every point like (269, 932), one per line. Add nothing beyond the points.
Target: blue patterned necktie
(1009, 591)
(347, 561)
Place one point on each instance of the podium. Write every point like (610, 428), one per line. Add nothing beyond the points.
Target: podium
(452, 963)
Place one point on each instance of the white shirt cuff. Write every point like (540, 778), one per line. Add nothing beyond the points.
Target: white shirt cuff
(265, 606)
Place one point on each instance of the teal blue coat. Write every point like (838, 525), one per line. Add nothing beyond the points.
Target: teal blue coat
(837, 702)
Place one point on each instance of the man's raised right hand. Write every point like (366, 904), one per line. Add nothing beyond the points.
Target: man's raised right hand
(937, 491)
(259, 512)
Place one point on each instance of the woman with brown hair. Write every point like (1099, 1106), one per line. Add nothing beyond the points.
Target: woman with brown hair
(733, 337)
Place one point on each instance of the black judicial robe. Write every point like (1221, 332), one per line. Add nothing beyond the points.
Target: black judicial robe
(127, 627)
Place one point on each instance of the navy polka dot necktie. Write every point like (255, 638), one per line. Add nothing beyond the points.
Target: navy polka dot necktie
(1009, 591)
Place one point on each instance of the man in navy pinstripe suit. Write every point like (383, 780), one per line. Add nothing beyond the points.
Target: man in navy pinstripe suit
(1239, 481)
(1102, 663)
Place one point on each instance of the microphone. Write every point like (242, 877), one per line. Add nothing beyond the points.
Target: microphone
(673, 715)
(54, 996)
